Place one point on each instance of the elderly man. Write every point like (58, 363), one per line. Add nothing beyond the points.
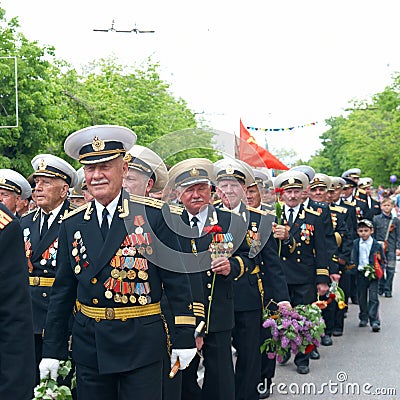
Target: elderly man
(259, 191)
(256, 284)
(53, 177)
(115, 257)
(214, 259)
(14, 188)
(304, 255)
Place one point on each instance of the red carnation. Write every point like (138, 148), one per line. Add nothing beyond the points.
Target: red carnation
(212, 229)
(309, 348)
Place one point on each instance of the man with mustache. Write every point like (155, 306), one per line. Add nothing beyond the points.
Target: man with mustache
(116, 256)
(53, 177)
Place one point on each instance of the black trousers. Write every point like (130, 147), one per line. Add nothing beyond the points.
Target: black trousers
(302, 294)
(141, 383)
(246, 340)
(219, 382)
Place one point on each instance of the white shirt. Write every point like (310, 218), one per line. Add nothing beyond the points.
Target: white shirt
(295, 212)
(364, 250)
(52, 217)
(202, 218)
(110, 208)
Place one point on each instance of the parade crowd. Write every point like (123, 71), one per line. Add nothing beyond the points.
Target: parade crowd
(144, 274)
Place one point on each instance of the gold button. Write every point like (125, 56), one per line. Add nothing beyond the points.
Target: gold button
(209, 285)
(45, 271)
(298, 260)
(208, 273)
(247, 269)
(209, 298)
(93, 281)
(95, 301)
(284, 258)
(44, 294)
(298, 252)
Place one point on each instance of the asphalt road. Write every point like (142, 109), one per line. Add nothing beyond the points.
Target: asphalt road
(360, 364)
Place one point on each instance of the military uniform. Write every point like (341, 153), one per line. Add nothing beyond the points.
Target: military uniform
(17, 363)
(41, 246)
(114, 260)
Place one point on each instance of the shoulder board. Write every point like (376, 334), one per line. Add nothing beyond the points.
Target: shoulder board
(349, 203)
(5, 219)
(340, 209)
(30, 212)
(312, 211)
(176, 209)
(216, 202)
(70, 213)
(148, 201)
(362, 191)
(228, 210)
(257, 210)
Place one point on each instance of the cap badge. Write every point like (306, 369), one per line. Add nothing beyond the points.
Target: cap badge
(42, 165)
(291, 181)
(98, 144)
(2, 179)
(230, 170)
(194, 172)
(128, 157)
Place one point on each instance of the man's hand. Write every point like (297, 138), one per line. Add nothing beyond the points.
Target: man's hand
(185, 357)
(199, 342)
(221, 266)
(49, 366)
(281, 232)
(335, 277)
(322, 288)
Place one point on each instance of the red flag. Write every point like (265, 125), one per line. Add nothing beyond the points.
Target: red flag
(255, 155)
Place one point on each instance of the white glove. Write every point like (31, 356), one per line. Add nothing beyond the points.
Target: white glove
(184, 355)
(49, 366)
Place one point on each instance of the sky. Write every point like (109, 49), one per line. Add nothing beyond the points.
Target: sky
(273, 64)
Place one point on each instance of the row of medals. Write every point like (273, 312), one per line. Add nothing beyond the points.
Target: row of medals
(130, 274)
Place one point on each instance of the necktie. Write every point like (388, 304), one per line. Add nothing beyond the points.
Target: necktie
(45, 225)
(290, 220)
(195, 227)
(104, 224)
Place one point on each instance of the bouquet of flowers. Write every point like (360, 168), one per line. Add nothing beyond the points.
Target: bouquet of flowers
(298, 329)
(334, 293)
(48, 388)
(369, 271)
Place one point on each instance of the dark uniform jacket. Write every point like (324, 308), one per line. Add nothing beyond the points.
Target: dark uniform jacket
(374, 209)
(304, 255)
(126, 270)
(266, 280)
(381, 227)
(17, 365)
(41, 255)
(198, 259)
(375, 248)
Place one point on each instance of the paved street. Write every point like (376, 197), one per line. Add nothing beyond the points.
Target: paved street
(358, 359)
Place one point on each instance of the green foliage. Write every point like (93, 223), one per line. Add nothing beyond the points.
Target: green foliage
(55, 100)
(367, 138)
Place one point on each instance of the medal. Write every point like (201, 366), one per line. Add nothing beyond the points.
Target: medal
(108, 294)
(117, 298)
(43, 261)
(131, 274)
(77, 269)
(74, 252)
(142, 300)
(115, 273)
(77, 235)
(139, 230)
(122, 274)
(149, 250)
(132, 299)
(124, 299)
(143, 275)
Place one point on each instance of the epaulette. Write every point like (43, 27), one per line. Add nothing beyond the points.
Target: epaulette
(30, 212)
(75, 211)
(311, 211)
(256, 210)
(362, 191)
(217, 202)
(5, 219)
(340, 209)
(176, 209)
(228, 210)
(148, 201)
(349, 203)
